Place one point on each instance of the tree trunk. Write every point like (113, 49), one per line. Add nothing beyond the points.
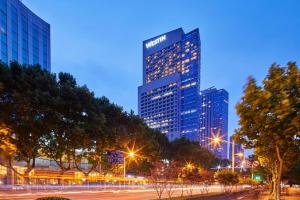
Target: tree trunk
(275, 186)
(279, 173)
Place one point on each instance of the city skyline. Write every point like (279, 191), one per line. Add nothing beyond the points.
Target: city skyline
(149, 99)
(236, 41)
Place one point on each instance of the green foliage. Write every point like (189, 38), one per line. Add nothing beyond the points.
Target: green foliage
(249, 181)
(49, 115)
(227, 177)
(183, 151)
(24, 112)
(270, 119)
(52, 116)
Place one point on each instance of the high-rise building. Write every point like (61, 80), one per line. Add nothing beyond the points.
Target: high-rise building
(25, 37)
(214, 120)
(169, 98)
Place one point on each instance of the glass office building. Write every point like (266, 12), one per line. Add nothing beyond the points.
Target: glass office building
(25, 37)
(169, 98)
(214, 120)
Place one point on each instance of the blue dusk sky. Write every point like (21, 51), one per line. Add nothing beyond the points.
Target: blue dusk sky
(100, 42)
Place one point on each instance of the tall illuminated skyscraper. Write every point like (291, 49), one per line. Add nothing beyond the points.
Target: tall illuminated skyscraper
(169, 98)
(214, 120)
(25, 37)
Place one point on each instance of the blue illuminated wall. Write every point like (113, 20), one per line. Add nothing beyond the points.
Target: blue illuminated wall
(169, 98)
(214, 120)
(25, 37)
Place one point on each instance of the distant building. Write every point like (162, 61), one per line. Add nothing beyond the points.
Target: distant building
(25, 37)
(169, 98)
(214, 120)
(239, 152)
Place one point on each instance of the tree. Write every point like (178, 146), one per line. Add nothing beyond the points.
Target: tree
(183, 150)
(270, 120)
(7, 148)
(191, 176)
(227, 178)
(24, 111)
(157, 178)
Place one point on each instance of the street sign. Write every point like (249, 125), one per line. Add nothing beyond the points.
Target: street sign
(115, 157)
(248, 163)
(255, 163)
(257, 177)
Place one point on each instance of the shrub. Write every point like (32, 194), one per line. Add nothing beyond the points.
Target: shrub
(226, 177)
(249, 181)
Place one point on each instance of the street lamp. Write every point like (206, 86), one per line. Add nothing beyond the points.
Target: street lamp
(217, 139)
(189, 166)
(240, 154)
(131, 155)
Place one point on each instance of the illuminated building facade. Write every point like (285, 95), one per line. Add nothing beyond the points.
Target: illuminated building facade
(25, 37)
(169, 98)
(214, 120)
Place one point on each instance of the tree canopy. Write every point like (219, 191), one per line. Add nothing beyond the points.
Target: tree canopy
(270, 119)
(44, 115)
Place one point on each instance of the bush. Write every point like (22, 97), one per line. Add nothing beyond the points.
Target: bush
(226, 177)
(249, 181)
(52, 198)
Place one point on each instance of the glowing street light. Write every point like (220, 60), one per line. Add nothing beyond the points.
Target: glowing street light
(216, 141)
(131, 154)
(240, 154)
(189, 166)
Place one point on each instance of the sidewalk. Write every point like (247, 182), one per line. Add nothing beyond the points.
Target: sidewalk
(287, 194)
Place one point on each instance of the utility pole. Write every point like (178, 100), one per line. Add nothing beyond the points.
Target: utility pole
(232, 157)
(124, 166)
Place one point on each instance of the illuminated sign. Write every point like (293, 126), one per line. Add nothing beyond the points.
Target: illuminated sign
(257, 177)
(158, 40)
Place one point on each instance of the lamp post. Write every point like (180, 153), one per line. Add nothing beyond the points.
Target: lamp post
(130, 154)
(232, 156)
(218, 139)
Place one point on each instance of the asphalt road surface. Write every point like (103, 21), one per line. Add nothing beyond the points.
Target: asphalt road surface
(143, 194)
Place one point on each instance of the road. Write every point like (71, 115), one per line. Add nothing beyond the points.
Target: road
(124, 194)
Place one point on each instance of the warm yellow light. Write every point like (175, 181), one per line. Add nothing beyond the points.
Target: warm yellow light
(131, 154)
(240, 154)
(189, 166)
(217, 140)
